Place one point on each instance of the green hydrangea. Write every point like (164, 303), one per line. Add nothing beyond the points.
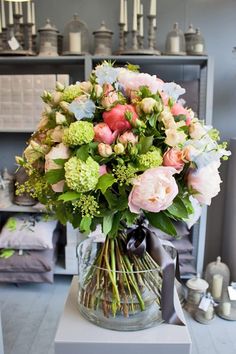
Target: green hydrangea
(124, 174)
(71, 92)
(87, 205)
(78, 133)
(151, 159)
(81, 176)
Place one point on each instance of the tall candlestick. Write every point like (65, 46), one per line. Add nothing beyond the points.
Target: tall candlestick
(153, 7)
(122, 12)
(21, 12)
(134, 28)
(33, 18)
(10, 13)
(126, 16)
(3, 14)
(141, 21)
(217, 282)
(29, 18)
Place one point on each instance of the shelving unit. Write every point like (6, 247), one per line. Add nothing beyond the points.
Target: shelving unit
(181, 69)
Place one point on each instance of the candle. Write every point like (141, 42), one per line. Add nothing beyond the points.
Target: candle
(198, 48)
(16, 8)
(75, 42)
(141, 21)
(209, 313)
(217, 282)
(155, 22)
(122, 12)
(174, 44)
(0, 25)
(3, 14)
(134, 15)
(153, 8)
(126, 16)
(29, 18)
(138, 5)
(226, 308)
(10, 13)
(21, 12)
(33, 18)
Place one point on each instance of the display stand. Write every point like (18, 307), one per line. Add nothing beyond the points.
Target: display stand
(1, 341)
(75, 335)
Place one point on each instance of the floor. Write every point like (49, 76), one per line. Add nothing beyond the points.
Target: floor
(30, 314)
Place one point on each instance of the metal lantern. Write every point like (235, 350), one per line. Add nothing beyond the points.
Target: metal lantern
(48, 42)
(196, 288)
(102, 40)
(25, 198)
(76, 37)
(175, 41)
(217, 275)
(197, 44)
(189, 34)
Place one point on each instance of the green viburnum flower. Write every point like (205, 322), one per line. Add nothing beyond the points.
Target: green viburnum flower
(81, 176)
(71, 92)
(78, 133)
(151, 159)
(87, 205)
(124, 174)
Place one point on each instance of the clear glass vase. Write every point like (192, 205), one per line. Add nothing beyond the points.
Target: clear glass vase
(117, 291)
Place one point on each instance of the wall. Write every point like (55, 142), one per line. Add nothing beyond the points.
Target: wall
(217, 21)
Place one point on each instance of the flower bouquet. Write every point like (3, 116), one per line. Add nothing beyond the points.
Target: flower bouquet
(121, 151)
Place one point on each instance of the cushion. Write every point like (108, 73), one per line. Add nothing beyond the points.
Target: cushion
(26, 277)
(26, 231)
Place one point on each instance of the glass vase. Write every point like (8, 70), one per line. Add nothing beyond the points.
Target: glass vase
(116, 290)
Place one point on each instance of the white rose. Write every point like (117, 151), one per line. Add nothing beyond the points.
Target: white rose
(167, 118)
(196, 130)
(60, 118)
(148, 104)
(174, 137)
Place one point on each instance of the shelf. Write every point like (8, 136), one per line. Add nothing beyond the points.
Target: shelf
(16, 130)
(14, 208)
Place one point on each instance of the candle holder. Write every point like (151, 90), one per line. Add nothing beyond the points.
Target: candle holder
(175, 42)
(196, 289)
(30, 45)
(121, 39)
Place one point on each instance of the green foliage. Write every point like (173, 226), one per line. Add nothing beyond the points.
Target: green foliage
(161, 221)
(178, 209)
(105, 181)
(54, 176)
(69, 196)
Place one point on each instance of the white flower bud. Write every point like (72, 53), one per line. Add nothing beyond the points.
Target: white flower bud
(119, 148)
(59, 86)
(60, 118)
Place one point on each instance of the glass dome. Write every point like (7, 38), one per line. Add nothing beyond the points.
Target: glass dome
(48, 40)
(175, 41)
(76, 37)
(189, 34)
(197, 44)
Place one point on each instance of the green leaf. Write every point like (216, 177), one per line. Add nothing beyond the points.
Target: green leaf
(60, 162)
(6, 253)
(145, 143)
(83, 152)
(107, 223)
(85, 224)
(178, 209)
(105, 181)
(129, 217)
(54, 176)
(68, 196)
(162, 222)
(153, 120)
(76, 220)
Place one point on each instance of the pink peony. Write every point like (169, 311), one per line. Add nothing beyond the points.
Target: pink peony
(154, 190)
(103, 134)
(102, 170)
(205, 181)
(178, 109)
(128, 137)
(59, 151)
(115, 118)
(174, 158)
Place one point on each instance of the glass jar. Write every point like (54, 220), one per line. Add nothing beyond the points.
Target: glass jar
(138, 291)
(102, 40)
(197, 44)
(48, 41)
(196, 288)
(76, 37)
(175, 42)
(189, 34)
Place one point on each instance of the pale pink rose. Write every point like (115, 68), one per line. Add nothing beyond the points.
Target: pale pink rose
(116, 120)
(167, 118)
(174, 137)
(174, 158)
(109, 99)
(56, 134)
(128, 137)
(85, 86)
(148, 104)
(104, 150)
(164, 97)
(154, 190)
(59, 151)
(102, 170)
(178, 109)
(196, 130)
(103, 134)
(205, 181)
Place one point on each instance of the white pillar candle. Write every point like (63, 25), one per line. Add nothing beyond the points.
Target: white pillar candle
(226, 308)
(33, 18)
(0, 25)
(3, 14)
(174, 44)
(29, 17)
(198, 48)
(141, 21)
(134, 28)
(17, 8)
(138, 7)
(75, 42)
(209, 313)
(153, 7)
(126, 16)
(10, 13)
(122, 11)
(217, 282)
(155, 23)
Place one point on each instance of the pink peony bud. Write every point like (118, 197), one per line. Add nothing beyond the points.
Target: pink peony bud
(128, 137)
(116, 119)
(104, 150)
(103, 134)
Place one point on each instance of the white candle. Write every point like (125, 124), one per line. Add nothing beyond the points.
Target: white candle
(138, 7)
(122, 12)
(33, 18)
(17, 8)
(141, 20)
(209, 313)
(21, 12)
(10, 13)
(134, 15)
(153, 7)
(3, 14)
(155, 23)
(0, 25)
(226, 308)
(75, 42)
(174, 44)
(217, 282)
(29, 18)
(126, 16)
(198, 48)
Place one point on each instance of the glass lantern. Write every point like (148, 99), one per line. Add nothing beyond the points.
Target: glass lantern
(207, 316)
(197, 44)
(48, 42)
(76, 37)
(189, 34)
(217, 274)
(196, 288)
(102, 40)
(175, 42)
